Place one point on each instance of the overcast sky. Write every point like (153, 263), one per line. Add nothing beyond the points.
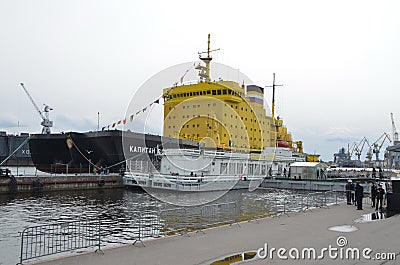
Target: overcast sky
(339, 61)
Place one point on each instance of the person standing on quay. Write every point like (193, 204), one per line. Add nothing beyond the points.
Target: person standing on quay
(379, 197)
(359, 195)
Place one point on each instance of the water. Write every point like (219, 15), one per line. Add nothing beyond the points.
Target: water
(115, 207)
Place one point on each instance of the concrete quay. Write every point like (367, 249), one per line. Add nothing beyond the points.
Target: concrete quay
(297, 230)
(59, 182)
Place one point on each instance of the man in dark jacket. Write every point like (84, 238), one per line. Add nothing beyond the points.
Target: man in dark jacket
(379, 197)
(359, 195)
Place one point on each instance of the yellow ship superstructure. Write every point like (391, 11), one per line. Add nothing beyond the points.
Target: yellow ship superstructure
(221, 114)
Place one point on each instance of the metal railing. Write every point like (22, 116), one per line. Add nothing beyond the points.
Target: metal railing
(177, 221)
(146, 224)
(218, 214)
(45, 240)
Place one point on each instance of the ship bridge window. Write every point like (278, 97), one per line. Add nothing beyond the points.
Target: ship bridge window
(191, 94)
(214, 92)
(230, 92)
(224, 91)
(208, 92)
(174, 95)
(219, 92)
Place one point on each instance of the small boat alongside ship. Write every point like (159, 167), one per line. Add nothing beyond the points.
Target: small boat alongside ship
(206, 170)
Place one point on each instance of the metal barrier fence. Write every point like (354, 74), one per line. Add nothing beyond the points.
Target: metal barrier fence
(303, 202)
(146, 224)
(218, 214)
(178, 221)
(44, 240)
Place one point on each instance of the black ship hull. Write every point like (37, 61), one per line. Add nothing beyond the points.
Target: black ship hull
(14, 150)
(75, 152)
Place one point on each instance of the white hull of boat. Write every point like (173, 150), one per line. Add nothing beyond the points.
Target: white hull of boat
(183, 183)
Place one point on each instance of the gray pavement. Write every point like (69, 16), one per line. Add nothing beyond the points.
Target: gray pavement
(296, 230)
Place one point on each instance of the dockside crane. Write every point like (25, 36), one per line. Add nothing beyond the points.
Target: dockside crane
(394, 131)
(351, 149)
(376, 146)
(45, 114)
(360, 147)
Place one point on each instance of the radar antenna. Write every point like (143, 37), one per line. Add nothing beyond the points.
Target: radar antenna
(46, 122)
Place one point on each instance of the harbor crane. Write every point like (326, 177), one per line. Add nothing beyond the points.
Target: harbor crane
(46, 122)
(351, 149)
(394, 130)
(376, 146)
(360, 147)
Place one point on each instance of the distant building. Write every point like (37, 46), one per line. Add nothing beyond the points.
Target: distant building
(308, 170)
(393, 156)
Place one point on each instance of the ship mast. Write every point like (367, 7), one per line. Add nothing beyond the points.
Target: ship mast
(273, 98)
(275, 123)
(205, 70)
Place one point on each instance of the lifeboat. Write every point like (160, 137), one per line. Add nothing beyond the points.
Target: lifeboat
(282, 144)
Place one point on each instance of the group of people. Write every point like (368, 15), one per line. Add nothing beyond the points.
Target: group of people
(377, 194)
(355, 194)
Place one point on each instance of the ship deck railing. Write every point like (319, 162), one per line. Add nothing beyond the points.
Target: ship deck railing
(190, 179)
(208, 153)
